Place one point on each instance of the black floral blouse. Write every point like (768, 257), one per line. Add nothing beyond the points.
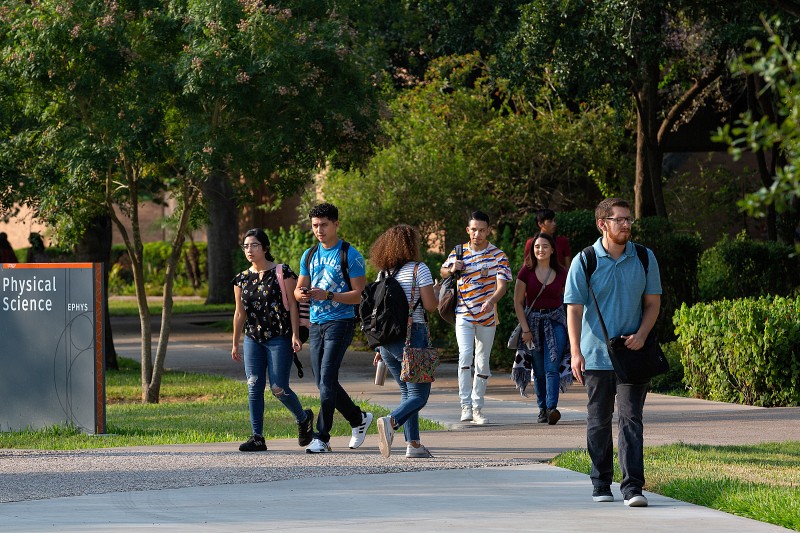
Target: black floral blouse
(263, 304)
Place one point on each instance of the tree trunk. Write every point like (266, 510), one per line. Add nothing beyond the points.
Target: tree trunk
(95, 247)
(648, 192)
(154, 389)
(222, 233)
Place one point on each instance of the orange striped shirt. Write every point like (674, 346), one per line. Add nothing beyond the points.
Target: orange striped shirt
(478, 282)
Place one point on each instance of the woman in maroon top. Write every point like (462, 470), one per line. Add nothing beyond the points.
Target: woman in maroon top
(545, 327)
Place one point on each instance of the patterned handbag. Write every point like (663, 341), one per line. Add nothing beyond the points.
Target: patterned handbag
(419, 364)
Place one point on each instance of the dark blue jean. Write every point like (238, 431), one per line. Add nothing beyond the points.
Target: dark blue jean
(546, 376)
(328, 343)
(602, 388)
(413, 396)
(271, 358)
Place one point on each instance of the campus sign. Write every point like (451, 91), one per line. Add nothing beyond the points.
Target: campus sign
(51, 346)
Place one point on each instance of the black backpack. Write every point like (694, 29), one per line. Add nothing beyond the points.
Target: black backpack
(590, 265)
(383, 310)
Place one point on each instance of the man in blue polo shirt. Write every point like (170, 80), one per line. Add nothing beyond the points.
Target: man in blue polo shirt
(332, 289)
(629, 301)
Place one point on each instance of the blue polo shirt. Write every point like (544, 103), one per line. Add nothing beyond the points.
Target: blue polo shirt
(619, 287)
(326, 273)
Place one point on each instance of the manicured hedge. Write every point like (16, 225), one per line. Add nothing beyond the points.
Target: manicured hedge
(742, 267)
(743, 351)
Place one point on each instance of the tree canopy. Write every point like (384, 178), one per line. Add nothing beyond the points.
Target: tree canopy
(462, 141)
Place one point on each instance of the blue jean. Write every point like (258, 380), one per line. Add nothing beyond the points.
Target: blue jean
(413, 396)
(602, 388)
(272, 358)
(546, 376)
(328, 343)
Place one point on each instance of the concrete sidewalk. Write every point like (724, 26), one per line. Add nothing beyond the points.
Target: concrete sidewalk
(483, 477)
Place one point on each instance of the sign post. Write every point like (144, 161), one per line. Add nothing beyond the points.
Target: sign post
(52, 352)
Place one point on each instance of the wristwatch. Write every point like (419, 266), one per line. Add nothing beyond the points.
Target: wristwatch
(329, 295)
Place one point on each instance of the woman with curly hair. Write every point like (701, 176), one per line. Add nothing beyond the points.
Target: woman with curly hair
(397, 253)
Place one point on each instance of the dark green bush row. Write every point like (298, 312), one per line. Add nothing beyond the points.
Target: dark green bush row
(742, 267)
(743, 351)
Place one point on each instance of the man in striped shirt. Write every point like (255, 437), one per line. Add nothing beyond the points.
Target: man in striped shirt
(483, 276)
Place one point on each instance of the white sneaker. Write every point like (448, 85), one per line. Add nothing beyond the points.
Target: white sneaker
(466, 413)
(385, 435)
(478, 418)
(418, 453)
(360, 431)
(317, 446)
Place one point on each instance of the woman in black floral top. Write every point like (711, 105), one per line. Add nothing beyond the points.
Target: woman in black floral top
(271, 333)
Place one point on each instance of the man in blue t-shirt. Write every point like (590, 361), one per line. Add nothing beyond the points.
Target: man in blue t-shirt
(629, 299)
(332, 294)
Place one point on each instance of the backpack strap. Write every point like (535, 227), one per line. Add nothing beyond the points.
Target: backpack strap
(345, 263)
(641, 251)
(279, 275)
(590, 262)
(309, 255)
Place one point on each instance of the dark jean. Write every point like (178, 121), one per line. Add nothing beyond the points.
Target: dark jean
(547, 378)
(602, 388)
(328, 343)
(413, 396)
(271, 358)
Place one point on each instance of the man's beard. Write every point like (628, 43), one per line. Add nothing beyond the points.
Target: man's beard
(620, 238)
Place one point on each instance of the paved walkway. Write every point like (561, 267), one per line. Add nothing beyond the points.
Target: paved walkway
(452, 497)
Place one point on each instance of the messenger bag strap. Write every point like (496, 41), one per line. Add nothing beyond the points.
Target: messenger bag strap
(591, 291)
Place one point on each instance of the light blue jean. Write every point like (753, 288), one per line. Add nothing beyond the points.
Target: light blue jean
(272, 358)
(413, 396)
(546, 376)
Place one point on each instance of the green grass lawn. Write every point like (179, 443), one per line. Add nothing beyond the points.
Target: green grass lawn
(194, 408)
(761, 481)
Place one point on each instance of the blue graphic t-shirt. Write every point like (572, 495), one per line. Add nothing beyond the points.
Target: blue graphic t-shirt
(326, 273)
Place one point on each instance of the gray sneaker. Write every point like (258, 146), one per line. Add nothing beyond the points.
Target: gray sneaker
(466, 413)
(385, 435)
(418, 453)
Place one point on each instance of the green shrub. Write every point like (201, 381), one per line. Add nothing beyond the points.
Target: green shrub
(743, 351)
(579, 227)
(672, 381)
(677, 255)
(742, 267)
